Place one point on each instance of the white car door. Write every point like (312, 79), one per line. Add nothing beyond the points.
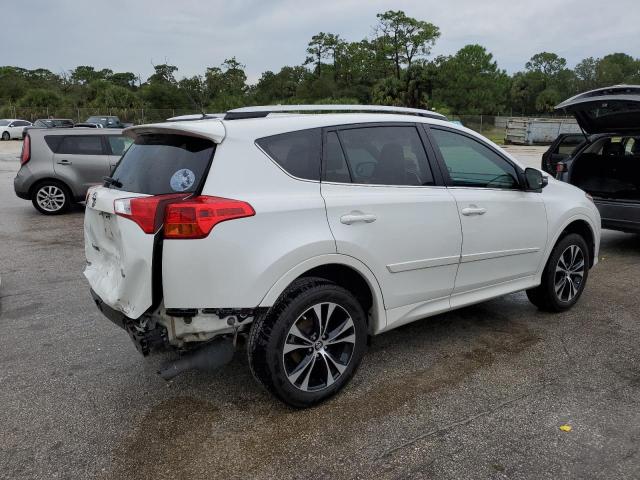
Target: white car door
(15, 129)
(504, 227)
(385, 208)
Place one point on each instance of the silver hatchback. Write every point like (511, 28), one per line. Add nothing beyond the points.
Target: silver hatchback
(57, 167)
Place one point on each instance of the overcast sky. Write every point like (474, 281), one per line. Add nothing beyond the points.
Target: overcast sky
(130, 35)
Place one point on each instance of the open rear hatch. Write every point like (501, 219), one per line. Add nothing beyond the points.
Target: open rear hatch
(606, 110)
(124, 218)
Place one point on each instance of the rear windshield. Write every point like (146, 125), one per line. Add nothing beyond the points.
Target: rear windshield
(160, 164)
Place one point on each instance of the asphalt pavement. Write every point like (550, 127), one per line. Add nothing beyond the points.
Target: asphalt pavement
(477, 393)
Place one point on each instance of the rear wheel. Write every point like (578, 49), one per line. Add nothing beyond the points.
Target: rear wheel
(308, 346)
(51, 198)
(6, 136)
(564, 276)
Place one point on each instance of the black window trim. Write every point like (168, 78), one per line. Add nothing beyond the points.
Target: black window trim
(443, 166)
(438, 180)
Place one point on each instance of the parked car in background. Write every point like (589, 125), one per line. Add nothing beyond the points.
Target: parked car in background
(109, 121)
(53, 123)
(88, 125)
(607, 166)
(59, 165)
(561, 149)
(13, 128)
(309, 232)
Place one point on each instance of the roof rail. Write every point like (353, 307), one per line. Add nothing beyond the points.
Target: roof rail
(195, 116)
(264, 110)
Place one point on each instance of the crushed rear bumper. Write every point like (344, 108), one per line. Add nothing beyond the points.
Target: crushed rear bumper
(147, 340)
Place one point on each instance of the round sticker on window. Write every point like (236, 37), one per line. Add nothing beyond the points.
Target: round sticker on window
(182, 180)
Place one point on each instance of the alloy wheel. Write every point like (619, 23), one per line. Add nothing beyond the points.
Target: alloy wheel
(569, 273)
(318, 347)
(50, 198)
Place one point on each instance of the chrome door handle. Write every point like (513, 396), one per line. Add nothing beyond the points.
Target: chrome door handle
(357, 217)
(473, 210)
(64, 162)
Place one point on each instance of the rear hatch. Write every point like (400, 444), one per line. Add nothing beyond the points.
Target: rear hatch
(124, 218)
(606, 110)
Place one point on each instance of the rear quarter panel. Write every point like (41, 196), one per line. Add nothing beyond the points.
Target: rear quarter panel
(240, 260)
(39, 167)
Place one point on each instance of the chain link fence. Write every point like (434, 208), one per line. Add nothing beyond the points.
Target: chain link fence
(494, 127)
(126, 115)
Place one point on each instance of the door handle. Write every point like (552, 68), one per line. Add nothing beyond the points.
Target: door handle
(356, 217)
(64, 162)
(473, 210)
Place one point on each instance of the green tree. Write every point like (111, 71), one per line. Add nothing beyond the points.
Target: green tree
(404, 38)
(40, 97)
(617, 68)
(470, 82)
(115, 96)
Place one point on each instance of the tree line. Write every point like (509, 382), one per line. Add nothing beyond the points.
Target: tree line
(393, 66)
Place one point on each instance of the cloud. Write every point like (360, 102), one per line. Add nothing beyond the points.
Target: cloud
(266, 35)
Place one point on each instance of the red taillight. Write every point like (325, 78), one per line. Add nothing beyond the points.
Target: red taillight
(560, 167)
(144, 211)
(196, 217)
(25, 156)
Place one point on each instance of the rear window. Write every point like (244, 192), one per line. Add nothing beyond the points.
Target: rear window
(161, 164)
(298, 153)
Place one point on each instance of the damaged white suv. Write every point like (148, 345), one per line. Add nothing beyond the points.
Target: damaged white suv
(309, 232)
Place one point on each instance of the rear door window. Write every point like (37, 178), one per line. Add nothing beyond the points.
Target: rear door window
(298, 153)
(81, 145)
(385, 155)
(161, 164)
(568, 144)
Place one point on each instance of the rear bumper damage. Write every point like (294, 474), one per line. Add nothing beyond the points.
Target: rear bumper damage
(148, 337)
(204, 339)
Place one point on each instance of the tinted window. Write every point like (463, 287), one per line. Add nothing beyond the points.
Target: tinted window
(336, 163)
(298, 153)
(159, 164)
(386, 156)
(569, 143)
(119, 144)
(53, 141)
(472, 164)
(4, 123)
(81, 145)
(21, 123)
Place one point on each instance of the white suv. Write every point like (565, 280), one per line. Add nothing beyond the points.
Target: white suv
(310, 232)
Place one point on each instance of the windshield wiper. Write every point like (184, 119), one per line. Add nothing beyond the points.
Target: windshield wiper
(112, 181)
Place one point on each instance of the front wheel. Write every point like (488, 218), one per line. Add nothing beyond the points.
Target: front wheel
(564, 277)
(309, 345)
(6, 136)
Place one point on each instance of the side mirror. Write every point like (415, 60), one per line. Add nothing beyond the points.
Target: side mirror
(535, 180)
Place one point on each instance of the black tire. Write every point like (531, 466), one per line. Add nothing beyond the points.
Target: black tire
(270, 332)
(545, 296)
(63, 198)
(6, 136)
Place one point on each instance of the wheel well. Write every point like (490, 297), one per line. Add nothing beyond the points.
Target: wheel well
(347, 278)
(583, 229)
(49, 179)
